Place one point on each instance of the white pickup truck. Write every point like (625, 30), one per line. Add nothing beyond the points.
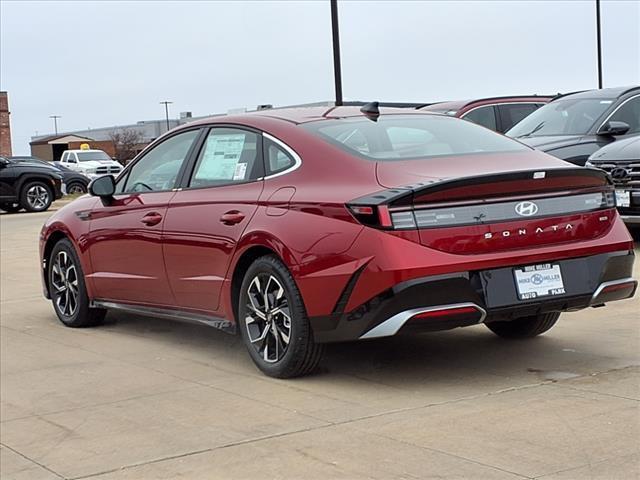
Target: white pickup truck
(92, 163)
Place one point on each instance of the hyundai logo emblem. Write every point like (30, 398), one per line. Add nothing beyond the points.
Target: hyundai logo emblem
(620, 174)
(526, 209)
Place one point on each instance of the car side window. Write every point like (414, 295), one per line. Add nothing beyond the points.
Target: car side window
(512, 113)
(64, 157)
(278, 159)
(158, 169)
(228, 156)
(629, 113)
(484, 116)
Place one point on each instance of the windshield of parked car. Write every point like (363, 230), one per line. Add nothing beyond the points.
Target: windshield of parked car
(562, 117)
(403, 137)
(92, 156)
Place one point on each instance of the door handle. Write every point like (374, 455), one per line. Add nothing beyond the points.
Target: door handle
(151, 219)
(232, 217)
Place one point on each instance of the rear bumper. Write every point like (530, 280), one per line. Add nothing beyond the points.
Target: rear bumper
(468, 298)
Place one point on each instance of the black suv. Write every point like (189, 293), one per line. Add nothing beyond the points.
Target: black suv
(572, 127)
(74, 182)
(621, 160)
(28, 185)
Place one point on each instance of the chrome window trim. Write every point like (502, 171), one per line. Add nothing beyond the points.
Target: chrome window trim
(296, 158)
(615, 111)
(392, 325)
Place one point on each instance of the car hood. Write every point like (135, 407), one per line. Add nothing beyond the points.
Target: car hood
(551, 142)
(35, 166)
(398, 173)
(627, 149)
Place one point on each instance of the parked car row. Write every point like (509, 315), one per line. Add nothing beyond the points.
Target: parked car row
(299, 227)
(76, 169)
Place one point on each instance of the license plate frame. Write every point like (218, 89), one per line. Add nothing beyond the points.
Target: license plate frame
(623, 198)
(538, 281)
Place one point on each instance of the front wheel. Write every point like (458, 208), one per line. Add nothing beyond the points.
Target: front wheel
(273, 322)
(67, 288)
(36, 196)
(525, 327)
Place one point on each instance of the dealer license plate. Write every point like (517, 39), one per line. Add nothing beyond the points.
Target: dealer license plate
(623, 198)
(539, 281)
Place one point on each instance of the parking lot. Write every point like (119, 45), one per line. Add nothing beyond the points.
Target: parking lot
(148, 398)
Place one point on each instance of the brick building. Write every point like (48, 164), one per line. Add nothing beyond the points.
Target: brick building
(5, 127)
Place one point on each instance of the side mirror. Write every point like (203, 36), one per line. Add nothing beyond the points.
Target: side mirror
(614, 128)
(103, 187)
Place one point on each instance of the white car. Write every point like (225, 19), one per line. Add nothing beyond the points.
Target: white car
(92, 163)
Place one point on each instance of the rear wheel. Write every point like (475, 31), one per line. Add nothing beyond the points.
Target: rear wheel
(525, 327)
(36, 196)
(67, 288)
(10, 207)
(273, 322)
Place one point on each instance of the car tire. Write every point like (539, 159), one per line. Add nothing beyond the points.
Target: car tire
(525, 327)
(36, 196)
(273, 321)
(76, 188)
(68, 290)
(10, 207)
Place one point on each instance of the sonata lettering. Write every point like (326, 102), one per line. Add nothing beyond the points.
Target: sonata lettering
(524, 231)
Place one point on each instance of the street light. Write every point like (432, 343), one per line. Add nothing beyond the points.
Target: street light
(166, 111)
(55, 122)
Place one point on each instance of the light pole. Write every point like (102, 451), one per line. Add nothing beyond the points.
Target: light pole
(55, 122)
(599, 38)
(166, 111)
(337, 71)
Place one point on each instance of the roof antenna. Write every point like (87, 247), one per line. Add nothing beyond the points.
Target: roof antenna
(371, 110)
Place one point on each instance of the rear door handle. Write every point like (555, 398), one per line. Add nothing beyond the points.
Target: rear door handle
(151, 219)
(232, 217)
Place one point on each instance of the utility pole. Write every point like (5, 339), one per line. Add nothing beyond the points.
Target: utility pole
(337, 71)
(599, 41)
(166, 111)
(55, 122)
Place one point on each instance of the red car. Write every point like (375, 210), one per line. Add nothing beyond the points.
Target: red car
(497, 113)
(305, 226)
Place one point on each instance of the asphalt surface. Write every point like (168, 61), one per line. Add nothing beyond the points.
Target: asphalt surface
(143, 398)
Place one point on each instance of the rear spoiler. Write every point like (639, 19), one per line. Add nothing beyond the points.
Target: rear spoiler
(488, 186)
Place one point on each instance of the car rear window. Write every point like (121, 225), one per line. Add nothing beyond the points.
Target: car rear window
(404, 137)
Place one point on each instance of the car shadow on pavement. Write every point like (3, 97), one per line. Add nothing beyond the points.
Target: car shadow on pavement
(471, 354)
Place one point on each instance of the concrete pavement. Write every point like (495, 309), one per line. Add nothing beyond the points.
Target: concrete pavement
(149, 398)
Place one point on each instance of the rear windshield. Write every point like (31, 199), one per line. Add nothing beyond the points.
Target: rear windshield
(404, 137)
(88, 156)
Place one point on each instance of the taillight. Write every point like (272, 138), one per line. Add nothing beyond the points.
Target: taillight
(373, 216)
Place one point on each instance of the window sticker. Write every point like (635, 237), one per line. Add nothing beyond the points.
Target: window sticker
(220, 159)
(241, 169)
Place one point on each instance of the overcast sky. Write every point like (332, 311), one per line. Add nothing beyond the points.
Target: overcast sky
(106, 63)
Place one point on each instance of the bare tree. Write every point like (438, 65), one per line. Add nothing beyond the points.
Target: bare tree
(125, 143)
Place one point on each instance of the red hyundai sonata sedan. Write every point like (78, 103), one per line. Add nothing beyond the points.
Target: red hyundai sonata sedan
(300, 227)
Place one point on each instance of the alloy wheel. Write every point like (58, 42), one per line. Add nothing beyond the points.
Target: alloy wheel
(64, 279)
(268, 317)
(38, 197)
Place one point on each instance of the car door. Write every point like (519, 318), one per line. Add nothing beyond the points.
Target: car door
(125, 234)
(8, 180)
(206, 218)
